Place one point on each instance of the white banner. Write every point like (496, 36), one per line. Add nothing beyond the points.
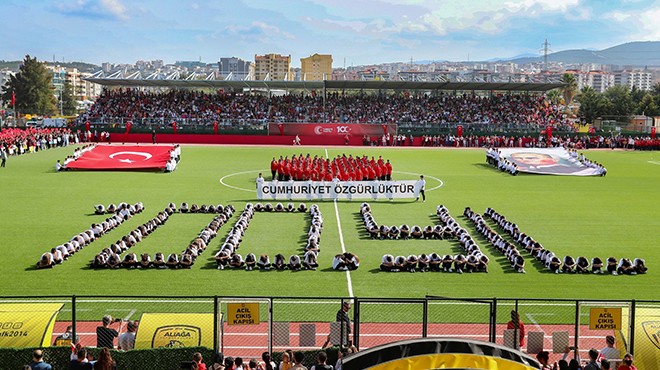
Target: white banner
(320, 190)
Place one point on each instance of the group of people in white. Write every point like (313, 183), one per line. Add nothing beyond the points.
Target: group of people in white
(400, 232)
(228, 257)
(119, 214)
(175, 157)
(473, 261)
(600, 169)
(494, 157)
(61, 166)
(111, 257)
(569, 264)
(507, 249)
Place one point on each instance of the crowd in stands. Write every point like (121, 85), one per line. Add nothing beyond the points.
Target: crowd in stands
(569, 264)
(359, 108)
(473, 261)
(228, 257)
(342, 167)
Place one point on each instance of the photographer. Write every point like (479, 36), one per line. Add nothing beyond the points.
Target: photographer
(105, 335)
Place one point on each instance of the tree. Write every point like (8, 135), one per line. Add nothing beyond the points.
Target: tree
(622, 103)
(647, 106)
(554, 96)
(69, 105)
(33, 88)
(570, 89)
(591, 104)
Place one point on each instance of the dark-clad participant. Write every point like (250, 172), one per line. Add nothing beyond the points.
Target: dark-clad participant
(626, 267)
(264, 262)
(387, 263)
(582, 266)
(280, 262)
(447, 262)
(612, 265)
(640, 265)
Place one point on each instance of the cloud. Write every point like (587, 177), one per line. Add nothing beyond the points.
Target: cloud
(96, 9)
(641, 23)
(259, 31)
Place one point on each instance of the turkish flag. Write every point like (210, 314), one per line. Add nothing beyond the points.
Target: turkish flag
(13, 98)
(281, 128)
(87, 126)
(548, 131)
(174, 127)
(215, 127)
(129, 124)
(653, 132)
(123, 157)
(459, 131)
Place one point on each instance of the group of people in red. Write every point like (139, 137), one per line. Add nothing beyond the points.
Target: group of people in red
(343, 168)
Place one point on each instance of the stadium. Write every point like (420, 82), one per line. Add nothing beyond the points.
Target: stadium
(228, 139)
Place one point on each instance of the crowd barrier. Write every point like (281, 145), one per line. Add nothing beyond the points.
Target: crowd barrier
(247, 326)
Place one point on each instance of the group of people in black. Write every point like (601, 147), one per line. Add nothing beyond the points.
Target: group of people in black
(569, 264)
(117, 214)
(228, 257)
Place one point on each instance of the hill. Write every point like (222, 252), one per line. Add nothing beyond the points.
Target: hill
(639, 53)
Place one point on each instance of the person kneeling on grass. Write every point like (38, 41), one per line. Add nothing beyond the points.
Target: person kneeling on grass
(264, 262)
(45, 261)
(186, 260)
(294, 262)
(596, 265)
(459, 263)
(159, 261)
(612, 265)
(447, 262)
(352, 261)
(582, 266)
(114, 261)
(172, 261)
(250, 261)
(387, 262)
(145, 261)
(310, 260)
(640, 265)
(626, 267)
(236, 261)
(280, 262)
(400, 264)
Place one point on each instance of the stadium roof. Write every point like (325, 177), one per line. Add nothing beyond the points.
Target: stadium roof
(328, 84)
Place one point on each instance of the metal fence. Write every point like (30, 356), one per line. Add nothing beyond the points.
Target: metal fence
(309, 323)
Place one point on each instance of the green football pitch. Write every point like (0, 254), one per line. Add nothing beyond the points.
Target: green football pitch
(615, 215)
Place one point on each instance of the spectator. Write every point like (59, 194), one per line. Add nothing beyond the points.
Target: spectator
(38, 361)
(519, 326)
(229, 363)
(544, 358)
(105, 361)
(627, 363)
(105, 335)
(126, 341)
(66, 339)
(80, 362)
(610, 352)
(286, 363)
(321, 359)
(253, 364)
(268, 364)
(298, 358)
(593, 360)
(197, 359)
(605, 364)
(342, 317)
(219, 362)
(238, 363)
(340, 358)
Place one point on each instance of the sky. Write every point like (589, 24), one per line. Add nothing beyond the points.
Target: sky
(354, 32)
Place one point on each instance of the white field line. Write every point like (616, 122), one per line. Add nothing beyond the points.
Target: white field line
(341, 241)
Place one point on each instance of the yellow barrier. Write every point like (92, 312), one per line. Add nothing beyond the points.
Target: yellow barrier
(451, 361)
(158, 330)
(27, 324)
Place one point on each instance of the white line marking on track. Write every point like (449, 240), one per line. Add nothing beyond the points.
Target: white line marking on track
(536, 324)
(341, 241)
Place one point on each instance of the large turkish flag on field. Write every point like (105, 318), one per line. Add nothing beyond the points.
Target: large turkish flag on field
(123, 157)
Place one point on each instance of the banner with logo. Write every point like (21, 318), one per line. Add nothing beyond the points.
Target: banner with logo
(647, 338)
(27, 324)
(322, 190)
(158, 330)
(331, 129)
(123, 157)
(552, 161)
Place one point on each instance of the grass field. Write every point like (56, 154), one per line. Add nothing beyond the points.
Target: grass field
(592, 216)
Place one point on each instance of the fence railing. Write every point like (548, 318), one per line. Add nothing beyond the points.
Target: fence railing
(308, 323)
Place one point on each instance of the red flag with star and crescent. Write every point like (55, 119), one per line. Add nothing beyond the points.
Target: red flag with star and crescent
(123, 157)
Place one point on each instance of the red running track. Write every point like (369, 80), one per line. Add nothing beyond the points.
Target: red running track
(251, 340)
